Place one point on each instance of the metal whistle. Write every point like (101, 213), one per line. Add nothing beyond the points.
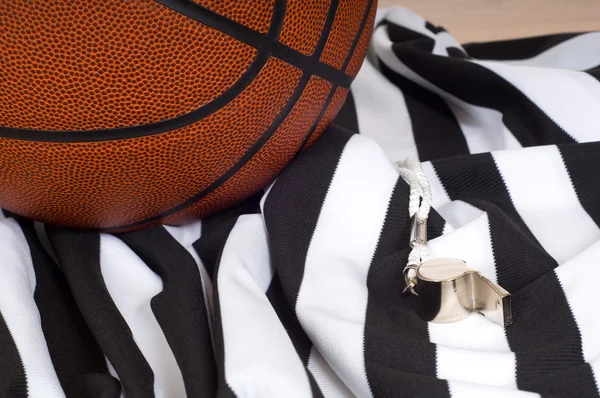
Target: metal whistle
(450, 291)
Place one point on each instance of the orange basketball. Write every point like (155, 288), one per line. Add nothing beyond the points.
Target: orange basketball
(122, 114)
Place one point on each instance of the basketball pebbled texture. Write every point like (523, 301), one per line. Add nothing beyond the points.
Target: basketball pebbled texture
(120, 115)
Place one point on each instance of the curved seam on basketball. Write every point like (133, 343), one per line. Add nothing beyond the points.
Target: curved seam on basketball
(319, 118)
(254, 39)
(216, 21)
(164, 126)
(361, 29)
(264, 138)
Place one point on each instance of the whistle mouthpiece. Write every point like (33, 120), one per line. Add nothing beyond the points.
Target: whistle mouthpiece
(449, 291)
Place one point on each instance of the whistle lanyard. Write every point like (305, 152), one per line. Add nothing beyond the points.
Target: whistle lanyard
(448, 290)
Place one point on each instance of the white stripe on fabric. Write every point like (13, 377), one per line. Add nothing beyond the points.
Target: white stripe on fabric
(580, 119)
(408, 19)
(17, 305)
(470, 242)
(382, 114)
(187, 235)
(458, 213)
(495, 369)
(329, 383)
(111, 368)
(266, 193)
(468, 390)
(578, 53)
(439, 195)
(580, 280)
(476, 334)
(132, 285)
(447, 229)
(483, 128)
(542, 193)
(260, 359)
(333, 296)
(380, 14)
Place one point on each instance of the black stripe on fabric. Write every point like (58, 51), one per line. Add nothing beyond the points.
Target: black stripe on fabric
(223, 390)
(79, 256)
(435, 224)
(216, 229)
(456, 52)
(13, 381)
(399, 358)
(179, 308)
(475, 179)
(436, 131)
(544, 335)
(314, 387)
(292, 209)
(434, 29)
(287, 317)
(594, 72)
(480, 86)
(401, 34)
(582, 162)
(347, 117)
(75, 354)
(516, 48)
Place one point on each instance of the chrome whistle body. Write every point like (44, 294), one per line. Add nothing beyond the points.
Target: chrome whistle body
(449, 291)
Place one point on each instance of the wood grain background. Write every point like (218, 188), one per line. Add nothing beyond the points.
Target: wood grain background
(482, 20)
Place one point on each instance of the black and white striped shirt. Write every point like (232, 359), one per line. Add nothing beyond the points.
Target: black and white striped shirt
(297, 292)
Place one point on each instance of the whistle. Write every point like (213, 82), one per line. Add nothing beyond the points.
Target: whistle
(449, 291)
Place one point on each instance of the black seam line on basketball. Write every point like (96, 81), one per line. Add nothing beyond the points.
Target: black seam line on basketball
(334, 88)
(318, 120)
(262, 140)
(235, 168)
(176, 123)
(318, 51)
(164, 126)
(359, 34)
(277, 50)
(256, 39)
(281, 117)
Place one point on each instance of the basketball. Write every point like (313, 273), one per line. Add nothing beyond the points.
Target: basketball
(117, 115)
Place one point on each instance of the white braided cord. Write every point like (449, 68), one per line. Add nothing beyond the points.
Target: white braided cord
(419, 203)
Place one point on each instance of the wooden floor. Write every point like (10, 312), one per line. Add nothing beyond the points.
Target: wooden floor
(481, 20)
